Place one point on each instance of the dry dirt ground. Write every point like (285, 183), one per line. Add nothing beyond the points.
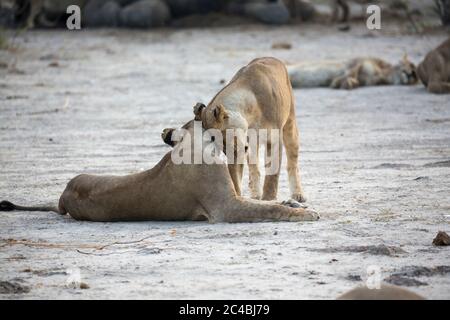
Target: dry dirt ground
(375, 163)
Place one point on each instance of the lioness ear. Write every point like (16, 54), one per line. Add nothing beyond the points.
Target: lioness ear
(166, 136)
(405, 57)
(198, 108)
(220, 113)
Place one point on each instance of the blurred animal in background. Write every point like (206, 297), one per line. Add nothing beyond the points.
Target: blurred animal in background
(341, 8)
(386, 292)
(352, 74)
(31, 13)
(443, 9)
(434, 70)
(19, 13)
(300, 9)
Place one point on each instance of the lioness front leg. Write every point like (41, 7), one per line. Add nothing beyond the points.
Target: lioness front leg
(243, 210)
(236, 171)
(291, 145)
(254, 173)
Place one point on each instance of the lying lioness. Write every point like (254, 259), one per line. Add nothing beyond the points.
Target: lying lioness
(166, 192)
(434, 71)
(259, 97)
(352, 74)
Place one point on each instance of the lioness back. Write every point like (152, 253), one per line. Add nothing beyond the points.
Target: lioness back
(434, 70)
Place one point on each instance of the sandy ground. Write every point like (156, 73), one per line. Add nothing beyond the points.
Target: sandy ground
(375, 163)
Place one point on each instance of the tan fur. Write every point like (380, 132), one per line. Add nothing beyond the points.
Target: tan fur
(386, 292)
(352, 74)
(434, 71)
(166, 192)
(259, 97)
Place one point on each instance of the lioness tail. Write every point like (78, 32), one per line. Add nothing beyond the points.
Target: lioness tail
(9, 206)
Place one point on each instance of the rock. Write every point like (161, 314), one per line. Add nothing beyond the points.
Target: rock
(147, 251)
(441, 239)
(439, 164)
(419, 271)
(54, 9)
(101, 13)
(7, 17)
(392, 166)
(404, 281)
(47, 57)
(443, 7)
(405, 277)
(353, 277)
(124, 3)
(372, 249)
(344, 28)
(7, 287)
(268, 12)
(282, 45)
(422, 178)
(182, 8)
(145, 14)
(300, 9)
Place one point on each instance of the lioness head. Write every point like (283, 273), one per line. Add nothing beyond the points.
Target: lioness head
(168, 134)
(406, 72)
(193, 143)
(231, 124)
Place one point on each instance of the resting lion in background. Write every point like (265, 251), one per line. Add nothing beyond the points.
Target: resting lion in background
(352, 74)
(434, 71)
(166, 192)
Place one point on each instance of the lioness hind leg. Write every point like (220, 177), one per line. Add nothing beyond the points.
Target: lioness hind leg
(439, 87)
(236, 171)
(291, 145)
(61, 208)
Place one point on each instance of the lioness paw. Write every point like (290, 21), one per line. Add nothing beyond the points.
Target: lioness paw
(313, 215)
(306, 215)
(298, 197)
(349, 83)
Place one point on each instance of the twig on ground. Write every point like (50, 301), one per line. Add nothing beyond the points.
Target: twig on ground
(41, 244)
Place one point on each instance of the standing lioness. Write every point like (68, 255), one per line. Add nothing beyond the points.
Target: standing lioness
(258, 97)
